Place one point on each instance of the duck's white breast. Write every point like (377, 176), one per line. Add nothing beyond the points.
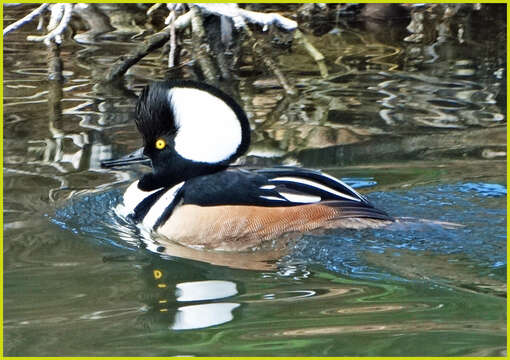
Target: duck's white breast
(133, 196)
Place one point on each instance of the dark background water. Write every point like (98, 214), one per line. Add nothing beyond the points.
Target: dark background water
(416, 120)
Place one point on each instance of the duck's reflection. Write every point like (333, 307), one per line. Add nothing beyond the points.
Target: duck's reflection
(262, 259)
(249, 260)
(205, 290)
(190, 304)
(203, 315)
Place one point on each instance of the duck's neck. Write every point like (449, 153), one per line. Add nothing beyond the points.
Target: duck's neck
(168, 178)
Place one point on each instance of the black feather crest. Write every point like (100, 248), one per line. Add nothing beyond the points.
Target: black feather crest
(154, 105)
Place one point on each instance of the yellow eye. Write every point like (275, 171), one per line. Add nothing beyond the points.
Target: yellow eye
(160, 144)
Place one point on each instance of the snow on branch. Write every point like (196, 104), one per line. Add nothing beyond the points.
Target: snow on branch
(60, 17)
(240, 16)
(26, 19)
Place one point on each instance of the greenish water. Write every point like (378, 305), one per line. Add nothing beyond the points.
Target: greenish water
(424, 137)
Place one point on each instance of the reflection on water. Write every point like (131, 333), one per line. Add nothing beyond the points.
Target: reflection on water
(205, 290)
(196, 316)
(203, 315)
(412, 114)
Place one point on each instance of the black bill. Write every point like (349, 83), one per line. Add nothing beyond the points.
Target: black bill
(136, 157)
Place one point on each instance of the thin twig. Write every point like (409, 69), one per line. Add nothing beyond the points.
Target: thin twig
(269, 63)
(54, 61)
(40, 24)
(171, 52)
(57, 11)
(201, 46)
(153, 8)
(154, 42)
(16, 25)
(314, 53)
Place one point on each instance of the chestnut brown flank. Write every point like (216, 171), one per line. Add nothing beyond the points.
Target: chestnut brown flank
(235, 227)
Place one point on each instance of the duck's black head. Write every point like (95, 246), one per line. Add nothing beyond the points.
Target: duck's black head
(189, 129)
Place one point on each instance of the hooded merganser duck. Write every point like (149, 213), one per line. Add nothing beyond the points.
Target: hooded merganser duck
(192, 132)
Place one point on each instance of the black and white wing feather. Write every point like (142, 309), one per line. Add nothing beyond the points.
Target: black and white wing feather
(308, 186)
(279, 186)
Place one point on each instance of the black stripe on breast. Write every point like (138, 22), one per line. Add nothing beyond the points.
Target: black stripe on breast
(144, 206)
(169, 209)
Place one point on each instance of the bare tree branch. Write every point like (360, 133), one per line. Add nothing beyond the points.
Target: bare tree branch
(314, 53)
(154, 42)
(239, 16)
(61, 14)
(201, 47)
(154, 8)
(173, 45)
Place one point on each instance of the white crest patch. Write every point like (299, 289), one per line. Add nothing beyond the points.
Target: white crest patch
(159, 206)
(208, 130)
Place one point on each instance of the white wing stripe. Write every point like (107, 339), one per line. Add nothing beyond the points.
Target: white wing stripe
(267, 187)
(271, 198)
(316, 185)
(300, 198)
(342, 183)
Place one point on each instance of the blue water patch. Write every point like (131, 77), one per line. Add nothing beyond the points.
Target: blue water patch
(92, 216)
(357, 182)
(484, 189)
(442, 219)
